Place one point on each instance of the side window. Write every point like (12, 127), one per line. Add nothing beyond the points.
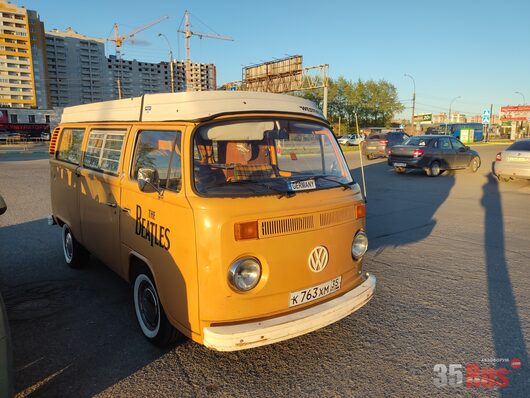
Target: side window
(160, 150)
(457, 144)
(104, 150)
(444, 143)
(69, 148)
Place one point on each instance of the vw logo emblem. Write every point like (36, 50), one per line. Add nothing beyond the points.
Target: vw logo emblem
(318, 259)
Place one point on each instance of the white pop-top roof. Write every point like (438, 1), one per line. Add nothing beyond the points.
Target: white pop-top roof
(187, 106)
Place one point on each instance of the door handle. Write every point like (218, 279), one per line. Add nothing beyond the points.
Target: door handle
(110, 204)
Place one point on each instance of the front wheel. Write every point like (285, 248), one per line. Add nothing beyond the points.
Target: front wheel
(369, 156)
(474, 164)
(434, 169)
(75, 255)
(150, 313)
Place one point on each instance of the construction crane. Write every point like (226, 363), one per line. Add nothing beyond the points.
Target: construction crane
(119, 39)
(188, 33)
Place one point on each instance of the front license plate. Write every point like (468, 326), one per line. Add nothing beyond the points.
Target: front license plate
(315, 292)
(303, 185)
(400, 165)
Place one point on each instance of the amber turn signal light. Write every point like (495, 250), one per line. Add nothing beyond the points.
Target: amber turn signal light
(246, 230)
(360, 210)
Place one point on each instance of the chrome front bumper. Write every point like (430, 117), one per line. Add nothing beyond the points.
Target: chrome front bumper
(256, 334)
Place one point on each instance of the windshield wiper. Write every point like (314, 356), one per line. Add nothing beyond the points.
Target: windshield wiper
(259, 183)
(344, 185)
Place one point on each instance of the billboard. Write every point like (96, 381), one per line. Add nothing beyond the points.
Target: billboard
(521, 112)
(278, 76)
(423, 118)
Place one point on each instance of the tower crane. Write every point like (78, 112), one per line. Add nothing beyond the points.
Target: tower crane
(188, 33)
(119, 39)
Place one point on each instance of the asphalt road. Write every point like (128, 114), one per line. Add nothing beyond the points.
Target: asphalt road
(451, 255)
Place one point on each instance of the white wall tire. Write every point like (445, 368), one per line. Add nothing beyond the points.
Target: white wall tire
(75, 255)
(150, 313)
(147, 306)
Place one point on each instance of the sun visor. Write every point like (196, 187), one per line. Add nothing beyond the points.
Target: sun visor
(246, 131)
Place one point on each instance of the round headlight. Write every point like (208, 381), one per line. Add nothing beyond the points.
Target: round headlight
(359, 245)
(244, 274)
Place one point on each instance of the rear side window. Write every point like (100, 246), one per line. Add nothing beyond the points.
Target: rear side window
(417, 141)
(519, 146)
(160, 150)
(104, 150)
(69, 148)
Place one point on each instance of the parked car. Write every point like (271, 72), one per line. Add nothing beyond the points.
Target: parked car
(377, 144)
(6, 356)
(45, 135)
(433, 154)
(513, 162)
(195, 260)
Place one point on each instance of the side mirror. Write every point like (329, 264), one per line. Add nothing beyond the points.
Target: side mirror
(463, 149)
(3, 206)
(467, 148)
(148, 180)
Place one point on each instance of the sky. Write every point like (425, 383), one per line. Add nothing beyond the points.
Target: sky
(476, 50)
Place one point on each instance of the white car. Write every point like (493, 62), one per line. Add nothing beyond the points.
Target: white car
(350, 139)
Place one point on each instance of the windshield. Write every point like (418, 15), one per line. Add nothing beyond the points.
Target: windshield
(266, 156)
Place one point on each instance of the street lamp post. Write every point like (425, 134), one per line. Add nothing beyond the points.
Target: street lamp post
(413, 100)
(449, 115)
(522, 95)
(172, 78)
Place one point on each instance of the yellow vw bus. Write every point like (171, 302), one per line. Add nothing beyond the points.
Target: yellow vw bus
(232, 214)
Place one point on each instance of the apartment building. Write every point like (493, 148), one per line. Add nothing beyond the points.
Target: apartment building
(77, 70)
(22, 58)
(137, 78)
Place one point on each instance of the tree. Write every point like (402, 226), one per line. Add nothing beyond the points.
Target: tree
(374, 102)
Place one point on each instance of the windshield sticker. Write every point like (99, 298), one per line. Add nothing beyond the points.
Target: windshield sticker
(302, 185)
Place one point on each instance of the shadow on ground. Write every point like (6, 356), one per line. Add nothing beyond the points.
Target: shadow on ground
(66, 324)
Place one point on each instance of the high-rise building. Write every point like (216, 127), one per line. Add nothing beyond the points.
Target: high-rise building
(137, 78)
(77, 70)
(22, 58)
(199, 77)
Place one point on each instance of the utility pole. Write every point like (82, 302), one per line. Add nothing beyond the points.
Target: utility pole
(413, 101)
(449, 116)
(172, 78)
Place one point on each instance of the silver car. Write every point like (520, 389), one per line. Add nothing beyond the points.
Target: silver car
(513, 162)
(350, 139)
